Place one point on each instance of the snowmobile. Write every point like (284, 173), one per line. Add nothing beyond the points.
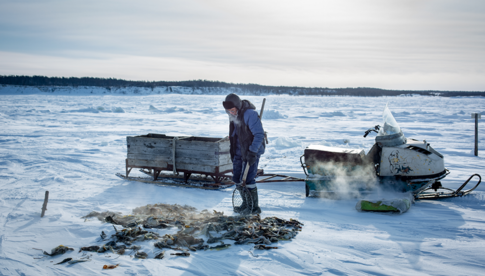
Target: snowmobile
(394, 163)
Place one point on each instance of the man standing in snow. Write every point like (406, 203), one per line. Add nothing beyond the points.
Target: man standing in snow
(247, 143)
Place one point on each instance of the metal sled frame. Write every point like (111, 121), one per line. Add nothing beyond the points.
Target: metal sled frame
(213, 181)
(270, 178)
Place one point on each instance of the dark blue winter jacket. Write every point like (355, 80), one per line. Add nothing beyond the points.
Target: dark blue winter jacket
(246, 133)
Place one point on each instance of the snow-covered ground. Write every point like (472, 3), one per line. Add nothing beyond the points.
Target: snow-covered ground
(72, 144)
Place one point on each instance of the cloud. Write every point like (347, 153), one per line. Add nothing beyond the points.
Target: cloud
(346, 43)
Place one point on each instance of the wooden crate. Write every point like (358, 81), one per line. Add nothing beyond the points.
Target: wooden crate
(201, 155)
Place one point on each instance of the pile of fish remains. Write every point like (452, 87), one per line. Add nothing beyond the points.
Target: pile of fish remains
(191, 227)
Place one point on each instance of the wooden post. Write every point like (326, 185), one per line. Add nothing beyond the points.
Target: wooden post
(174, 147)
(476, 116)
(245, 174)
(476, 134)
(44, 207)
(261, 117)
(262, 109)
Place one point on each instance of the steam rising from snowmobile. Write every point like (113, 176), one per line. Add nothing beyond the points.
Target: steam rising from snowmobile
(345, 182)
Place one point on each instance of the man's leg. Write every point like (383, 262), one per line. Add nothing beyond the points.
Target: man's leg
(254, 195)
(237, 169)
(251, 178)
(251, 184)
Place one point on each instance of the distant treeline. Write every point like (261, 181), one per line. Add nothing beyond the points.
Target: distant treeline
(254, 89)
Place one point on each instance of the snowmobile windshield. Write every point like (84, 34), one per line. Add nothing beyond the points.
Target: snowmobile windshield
(389, 125)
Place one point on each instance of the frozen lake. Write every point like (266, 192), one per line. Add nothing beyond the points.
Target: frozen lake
(72, 146)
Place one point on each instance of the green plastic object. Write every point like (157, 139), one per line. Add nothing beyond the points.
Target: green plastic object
(394, 205)
(377, 206)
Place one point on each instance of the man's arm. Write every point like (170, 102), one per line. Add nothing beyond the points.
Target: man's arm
(256, 128)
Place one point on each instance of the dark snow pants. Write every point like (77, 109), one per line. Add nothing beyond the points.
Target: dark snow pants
(238, 167)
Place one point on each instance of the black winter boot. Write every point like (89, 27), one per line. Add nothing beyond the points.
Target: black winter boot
(243, 206)
(254, 194)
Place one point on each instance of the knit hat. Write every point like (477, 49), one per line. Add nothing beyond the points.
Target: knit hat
(232, 100)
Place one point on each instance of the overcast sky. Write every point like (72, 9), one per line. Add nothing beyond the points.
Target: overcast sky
(392, 44)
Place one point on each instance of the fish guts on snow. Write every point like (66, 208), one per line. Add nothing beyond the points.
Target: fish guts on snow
(195, 231)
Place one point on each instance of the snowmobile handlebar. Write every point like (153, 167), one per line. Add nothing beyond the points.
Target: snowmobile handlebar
(303, 165)
(375, 129)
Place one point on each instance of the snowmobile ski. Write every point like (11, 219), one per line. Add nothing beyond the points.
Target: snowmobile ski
(429, 194)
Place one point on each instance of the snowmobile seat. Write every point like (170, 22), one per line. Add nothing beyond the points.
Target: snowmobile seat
(316, 155)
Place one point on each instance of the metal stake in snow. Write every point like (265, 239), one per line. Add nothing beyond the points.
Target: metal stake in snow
(44, 207)
(476, 116)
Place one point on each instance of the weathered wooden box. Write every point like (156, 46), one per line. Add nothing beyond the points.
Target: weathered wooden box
(202, 155)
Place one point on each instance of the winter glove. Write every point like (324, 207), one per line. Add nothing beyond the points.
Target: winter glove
(251, 158)
(239, 186)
